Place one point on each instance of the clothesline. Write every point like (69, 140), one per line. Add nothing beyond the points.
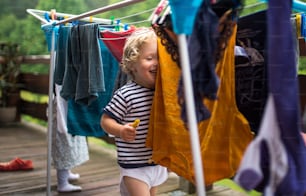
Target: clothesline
(40, 15)
(99, 10)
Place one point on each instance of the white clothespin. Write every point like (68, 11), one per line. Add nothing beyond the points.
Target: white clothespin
(166, 12)
(160, 7)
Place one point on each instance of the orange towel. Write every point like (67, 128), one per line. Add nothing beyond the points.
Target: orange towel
(223, 138)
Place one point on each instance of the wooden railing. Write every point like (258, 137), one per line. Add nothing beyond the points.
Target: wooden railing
(34, 83)
(38, 84)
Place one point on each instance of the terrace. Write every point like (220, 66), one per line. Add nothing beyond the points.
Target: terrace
(99, 176)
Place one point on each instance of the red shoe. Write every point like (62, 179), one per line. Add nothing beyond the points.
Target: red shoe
(16, 164)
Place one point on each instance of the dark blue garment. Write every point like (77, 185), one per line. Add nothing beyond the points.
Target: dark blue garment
(202, 45)
(85, 120)
(283, 84)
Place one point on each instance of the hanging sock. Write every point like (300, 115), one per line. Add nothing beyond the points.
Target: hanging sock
(63, 184)
(115, 40)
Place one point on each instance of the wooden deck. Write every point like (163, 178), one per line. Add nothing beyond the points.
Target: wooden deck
(99, 176)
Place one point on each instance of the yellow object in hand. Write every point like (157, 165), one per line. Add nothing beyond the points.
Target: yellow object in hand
(136, 123)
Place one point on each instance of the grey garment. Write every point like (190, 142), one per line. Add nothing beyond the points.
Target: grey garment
(84, 76)
(67, 151)
(62, 59)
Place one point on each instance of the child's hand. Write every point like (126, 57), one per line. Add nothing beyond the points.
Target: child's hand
(128, 133)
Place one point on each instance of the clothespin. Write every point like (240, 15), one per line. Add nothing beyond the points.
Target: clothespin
(303, 25)
(298, 19)
(65, 17)
(53, 14)
(117, 27)
(126, 27)
(112, 18)
(168, 10)
(160, 7)
(46, 15)
(76, 22)
(90, 19)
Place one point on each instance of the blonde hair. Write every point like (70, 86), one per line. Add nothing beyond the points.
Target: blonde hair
(132, 47)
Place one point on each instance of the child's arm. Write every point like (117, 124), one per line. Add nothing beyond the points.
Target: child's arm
(111, 126)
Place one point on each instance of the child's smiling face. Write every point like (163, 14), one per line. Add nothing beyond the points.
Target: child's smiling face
(145, 68)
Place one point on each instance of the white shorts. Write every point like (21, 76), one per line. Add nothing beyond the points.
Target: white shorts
(151, 175)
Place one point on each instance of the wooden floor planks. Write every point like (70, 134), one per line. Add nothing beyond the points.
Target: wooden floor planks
(99, 176)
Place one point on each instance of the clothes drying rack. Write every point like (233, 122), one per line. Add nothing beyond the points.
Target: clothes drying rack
(184, 57)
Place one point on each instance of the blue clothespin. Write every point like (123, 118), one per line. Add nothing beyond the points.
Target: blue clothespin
(76, 22)
(46, 15)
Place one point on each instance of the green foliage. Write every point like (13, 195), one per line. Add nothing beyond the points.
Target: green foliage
(252, 7)
(302, 66)
(67, 6)
(25, 30)
(33, 97)
(30, 119)
(16, 7)
(234, 186)
(132, 11)
(33, 38)
(9, 72)
(8, 32)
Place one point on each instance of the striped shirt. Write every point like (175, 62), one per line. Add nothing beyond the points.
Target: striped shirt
(129, 102)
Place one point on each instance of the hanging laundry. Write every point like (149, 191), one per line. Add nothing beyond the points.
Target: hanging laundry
(115, 41)
(62, 54)
(223, 137)
(84, 77)
(67, 151)
(85, 120)
(212, 28)
(183, 23)
(202, 45)
(164, 29)
(251, 70)
(283, 84)
(48, 30)
(283, 88)
(265, 162)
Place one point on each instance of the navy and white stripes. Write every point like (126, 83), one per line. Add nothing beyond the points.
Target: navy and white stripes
(129, 102)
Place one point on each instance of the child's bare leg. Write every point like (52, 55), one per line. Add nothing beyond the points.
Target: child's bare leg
(136, 187)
